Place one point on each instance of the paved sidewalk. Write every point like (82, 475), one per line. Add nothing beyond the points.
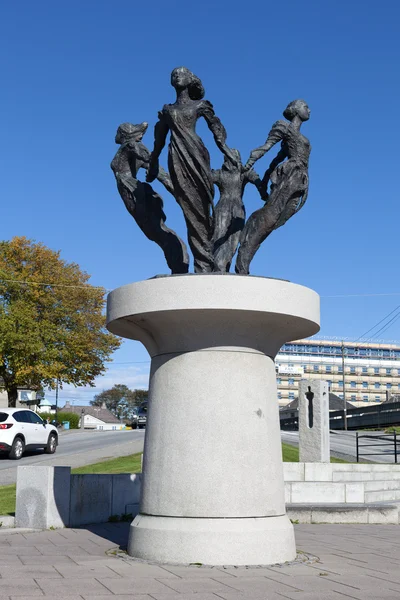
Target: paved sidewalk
(355, 562)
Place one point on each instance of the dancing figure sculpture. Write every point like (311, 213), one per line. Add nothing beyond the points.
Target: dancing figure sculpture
(141, 201)
(289, 181)
(189, 161)
(229, 211)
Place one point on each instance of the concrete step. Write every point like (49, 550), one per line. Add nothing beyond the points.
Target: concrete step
(382, 496)
(374, 486)
(371, 513)
(341, 477)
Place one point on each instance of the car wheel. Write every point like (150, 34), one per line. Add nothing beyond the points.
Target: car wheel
(134, 426)
(17, 449)
(51, 444)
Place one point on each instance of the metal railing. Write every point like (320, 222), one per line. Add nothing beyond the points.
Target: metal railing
(384, 440)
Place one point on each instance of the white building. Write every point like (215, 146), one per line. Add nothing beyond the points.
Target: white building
(95, 417)
(371, 371)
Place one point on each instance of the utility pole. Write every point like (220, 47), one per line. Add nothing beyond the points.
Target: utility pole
(56, 398)
(344, 390)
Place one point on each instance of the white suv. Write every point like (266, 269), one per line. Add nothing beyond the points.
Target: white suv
(22, 429)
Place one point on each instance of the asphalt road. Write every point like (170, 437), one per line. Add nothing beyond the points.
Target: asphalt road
(77, 449)
(344, 443)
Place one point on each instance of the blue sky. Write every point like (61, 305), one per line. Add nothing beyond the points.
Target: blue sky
(73, 71)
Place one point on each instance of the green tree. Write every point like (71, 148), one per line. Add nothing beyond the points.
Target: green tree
(52, 325)
(120, 400)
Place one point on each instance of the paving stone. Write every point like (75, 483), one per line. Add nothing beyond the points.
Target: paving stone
(127, 569)
(124, 597)
(261, 585)
(71, 587)
(20, 587)
(194, 596)
(17, 551)
(137, 585)
(37, 559)
(196, 572)
(87, 571)
(45, 571)
(197, 584)
(48, 550)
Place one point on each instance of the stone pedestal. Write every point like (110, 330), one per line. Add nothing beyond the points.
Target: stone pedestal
(213, 489)
(314, 441)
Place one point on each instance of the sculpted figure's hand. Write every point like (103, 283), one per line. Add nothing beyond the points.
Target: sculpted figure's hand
(152, 171)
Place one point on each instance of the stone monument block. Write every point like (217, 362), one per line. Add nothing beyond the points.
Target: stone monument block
(43, 497)
(314, 442)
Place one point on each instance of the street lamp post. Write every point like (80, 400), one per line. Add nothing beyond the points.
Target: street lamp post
(344, 391)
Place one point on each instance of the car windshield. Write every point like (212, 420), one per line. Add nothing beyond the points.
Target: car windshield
(3, 417)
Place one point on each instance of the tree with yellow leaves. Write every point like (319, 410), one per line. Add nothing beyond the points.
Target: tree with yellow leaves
(52, 324)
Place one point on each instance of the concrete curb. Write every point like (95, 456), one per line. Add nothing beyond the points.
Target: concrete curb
(377, 514)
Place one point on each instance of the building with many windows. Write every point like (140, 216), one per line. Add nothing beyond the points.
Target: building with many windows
(371, 371)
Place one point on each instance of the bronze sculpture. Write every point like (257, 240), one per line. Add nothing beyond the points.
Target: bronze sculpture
(141, 201)
(289, 181)
(214, 233)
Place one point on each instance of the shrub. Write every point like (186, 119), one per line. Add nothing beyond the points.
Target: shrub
(63, 416)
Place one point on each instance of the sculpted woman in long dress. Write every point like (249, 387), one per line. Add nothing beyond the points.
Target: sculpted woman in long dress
(289, 181)
(141, 201)
(189, 161)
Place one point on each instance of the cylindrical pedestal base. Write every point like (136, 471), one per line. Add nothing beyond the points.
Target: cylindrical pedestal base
(264, 540)
(212, 488)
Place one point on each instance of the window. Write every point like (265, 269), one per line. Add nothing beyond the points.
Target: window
(376, 370)
(377, 398)
(377, 385)
(329, 383)
(365, 384)
(279, 395)
(291, 381)
(279, 380)
(3, 417)
(291, 395)
(353, 397)
(365, 398)
(22, 416)
(328, 368)
(388, 371)
(34, 418)
(352, 384)
(341, 396)
(340, 369)
(388, 386)
(316, 367)
(364, 370)
(340, 384)
(352, 369)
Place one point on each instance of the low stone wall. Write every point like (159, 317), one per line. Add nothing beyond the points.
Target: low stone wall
(336, 483)
(52, 497)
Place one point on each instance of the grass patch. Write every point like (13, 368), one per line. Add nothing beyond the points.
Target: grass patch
(122, 464)
(291, 454)
(7, 499)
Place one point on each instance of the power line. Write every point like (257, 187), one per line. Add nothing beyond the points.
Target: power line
(379, 322)
(388, 325)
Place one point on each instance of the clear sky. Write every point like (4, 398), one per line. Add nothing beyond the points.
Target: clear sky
(73, 71)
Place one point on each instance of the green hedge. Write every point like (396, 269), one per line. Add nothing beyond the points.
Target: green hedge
(63, 416)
